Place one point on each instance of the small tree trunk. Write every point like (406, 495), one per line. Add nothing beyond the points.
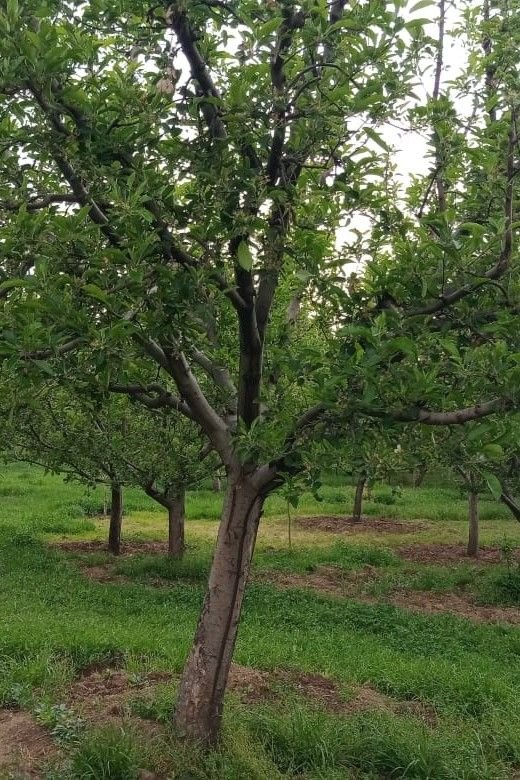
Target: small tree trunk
(203, 683)
(419, 475)
(176, 516)
(216, 484)
(358, 499)
(473, 525)
(116, 517)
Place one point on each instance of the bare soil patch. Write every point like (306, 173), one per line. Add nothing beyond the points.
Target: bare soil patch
(455, 604)
(325, 579)
(335, 582)
(25, 746)
(102, 695)
(448, 553)
(127, 548)
(347, 525)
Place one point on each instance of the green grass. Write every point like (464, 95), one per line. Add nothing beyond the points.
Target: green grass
(54, 622)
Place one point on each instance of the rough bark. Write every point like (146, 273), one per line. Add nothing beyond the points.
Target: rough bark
(473, 525)
(176, 516)
(358, 499)
(201, 696)
(116, 517)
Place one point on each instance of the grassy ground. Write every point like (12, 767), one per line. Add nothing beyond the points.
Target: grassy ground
(331, 682)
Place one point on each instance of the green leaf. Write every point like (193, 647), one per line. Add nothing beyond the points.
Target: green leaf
(421, 4)
(11, 284)
(377, 138)
(493, 484)
(269, 27)
(244, 256)
(493, 451)
(93, 291)
(13, 11)
(474, 228)
(346, 21)
(403, 344)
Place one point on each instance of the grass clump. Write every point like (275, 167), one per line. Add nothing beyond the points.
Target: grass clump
(106, 754)
(345, 556)
(314, 744)
(193, 566)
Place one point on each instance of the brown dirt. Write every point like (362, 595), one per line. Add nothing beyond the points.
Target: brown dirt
(102, 695)
(346, 525)
(454, 604)
(333, 581)
(127, 549)
(253, 685)
(447, 553)
(325, 579)
(25, 746)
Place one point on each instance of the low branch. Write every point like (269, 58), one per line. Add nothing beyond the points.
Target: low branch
(427, 417)
(153, 396)
(40, 202)
(511, 504)
(57, 351)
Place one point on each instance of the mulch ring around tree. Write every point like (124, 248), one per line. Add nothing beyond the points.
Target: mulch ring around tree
(347, 525)
(103, 696)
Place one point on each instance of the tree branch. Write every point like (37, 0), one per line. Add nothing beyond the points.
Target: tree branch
(427, 417)
(504, 259)
(153, 396)
(203, 413)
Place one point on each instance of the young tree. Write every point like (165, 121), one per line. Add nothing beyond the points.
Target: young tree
(59, 434)
(170, 172)
(108, 441)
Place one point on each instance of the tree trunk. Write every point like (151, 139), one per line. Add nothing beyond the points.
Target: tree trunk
(473, 525)
(176, 515)
(203, 684)
(419, 475)
(511, 504)
(216, 484)
(358, 499)
(116, 516)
